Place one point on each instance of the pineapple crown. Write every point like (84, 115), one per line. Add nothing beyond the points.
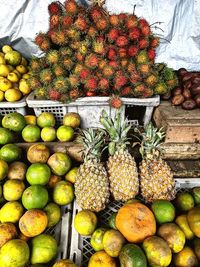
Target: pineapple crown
(92, 140)
(117, 130)
(151, 140)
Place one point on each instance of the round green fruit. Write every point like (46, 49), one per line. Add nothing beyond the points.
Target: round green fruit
(13, 190)
(44, 249)
(185, 201)
(53, 212)
(6, 136)
(48, 134)
(72, 119)
(59, 163)
(14, 253)
(10, 153)
(3, 169)
(14, 121)
(163, 210)
(11, 212)
(46, 119)
(63, 193)
(38, 173)
(196, 195)
(31, 133)
(111, 221)
(35, 197)
(96, 240)
(85, 222)
(13, 58)
(65, 133)
(132, 255)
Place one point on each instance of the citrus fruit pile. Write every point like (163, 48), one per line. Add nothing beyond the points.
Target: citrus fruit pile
(34, 129)
(33, 187)
(14, 72)
(161, 234)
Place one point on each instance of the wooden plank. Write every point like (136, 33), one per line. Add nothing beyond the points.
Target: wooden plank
(181, 126)
(185, 168)
(72, 149)
(175, 151)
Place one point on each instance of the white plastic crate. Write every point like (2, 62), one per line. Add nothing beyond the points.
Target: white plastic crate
(80, 248)
(90, 108)
(9, 107)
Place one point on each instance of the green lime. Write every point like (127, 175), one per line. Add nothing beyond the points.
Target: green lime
(71, 175)
(38, 173)
(46, 119)
(48, 134)
(14, 121)
(53, 212)
(96, 240)
(65, 133)
(10, 153)
(184, 201)
(6, 136)
(3, 169)
(163, 210)
(111, 221)
(13, 190)
(63, 193)
(31, 133)
(196, 195)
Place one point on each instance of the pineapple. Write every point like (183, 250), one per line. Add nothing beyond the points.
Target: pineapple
(156, 178)
(92, 185)
(121, 165)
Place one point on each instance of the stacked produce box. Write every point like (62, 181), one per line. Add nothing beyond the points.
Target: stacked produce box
(72, 196)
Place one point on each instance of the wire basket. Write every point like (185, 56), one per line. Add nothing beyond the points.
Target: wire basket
(80, 248)
(9, 107)
(90, 109)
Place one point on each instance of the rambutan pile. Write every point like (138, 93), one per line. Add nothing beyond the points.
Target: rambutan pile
(89, 52)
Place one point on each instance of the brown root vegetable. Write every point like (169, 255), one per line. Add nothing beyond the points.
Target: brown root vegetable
(177, 100)
(195, 90)
(186, 93)
(189, 104)
(187, 77)
(166, 96)
(196, 80)
(182, 71)
(177, 91)
(188, 84)
(197, 100)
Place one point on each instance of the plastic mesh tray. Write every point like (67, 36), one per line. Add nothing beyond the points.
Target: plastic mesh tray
(80, 248)
(8, 107)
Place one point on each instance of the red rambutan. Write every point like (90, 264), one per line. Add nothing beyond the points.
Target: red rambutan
(92, 61)
(143, 43)
(135, 77)
(120, 81)
(103, 84)
(124, 62)
(126, 91)
(80, 57)
(123, 16)
(113, 64)
(154, 42)
(98, 47)
(74, 80)
(151, 54)
(89, 93)
(145, 30)
(91, 84)
(101, 24)
(115, 102)
(122, 41)
(142, 23)
(132, 50)
(45, 45)
(95, 12)
(71, 7)
(131, 21)
(122, 52)
(114, 20)
(58, 37)
(54, 95)
(108, 71)
(92, 31)
(67, 21)
(84, 73)
(112, 54)
(81, 23)
(54, 21)
(74, 93)
(112, 35)
(54, 8)
(40, 38)
(134, 33)
(131, 67)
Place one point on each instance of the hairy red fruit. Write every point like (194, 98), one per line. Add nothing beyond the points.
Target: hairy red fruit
(134, 33)
(67, 21)
(71, 7)
(122, 41)
(151, 54)
(132, 50)
(54, 8)
(114, 20)
(122, 52)
(91, 84)
(131, 22)
(143, 43)
(84, 73)
(115, 102)
(112, 54)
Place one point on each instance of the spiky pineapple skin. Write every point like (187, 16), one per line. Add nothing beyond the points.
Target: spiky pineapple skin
(92, 186)
(123, 175)
(156, 180)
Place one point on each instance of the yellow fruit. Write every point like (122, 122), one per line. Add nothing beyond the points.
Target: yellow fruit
(2, 54)
(11, 212)
(85, 222)
(1, 96)
(5, 84)
(185, 258)
(71, 175)
(24, 62)
(182, 222)
(31, 119)
(11, 68)
(4, 70)
(26, 76)
(101, 259)
(18, 73)
(113, 242)
(6, 48)
(22, 69)
(13, 77)
(24, 87)
(13, 58)
(2, 60)
(12, 95)
(3, 169)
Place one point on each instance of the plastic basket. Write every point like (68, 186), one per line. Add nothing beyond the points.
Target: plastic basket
(90, 109)
(8, 107)
(80, 248)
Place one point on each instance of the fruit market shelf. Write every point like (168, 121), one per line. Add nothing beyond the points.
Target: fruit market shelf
(8, 107)
(90, 108)
(80, 248)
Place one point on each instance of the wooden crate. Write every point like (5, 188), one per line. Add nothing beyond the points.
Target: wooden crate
(181, 126)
